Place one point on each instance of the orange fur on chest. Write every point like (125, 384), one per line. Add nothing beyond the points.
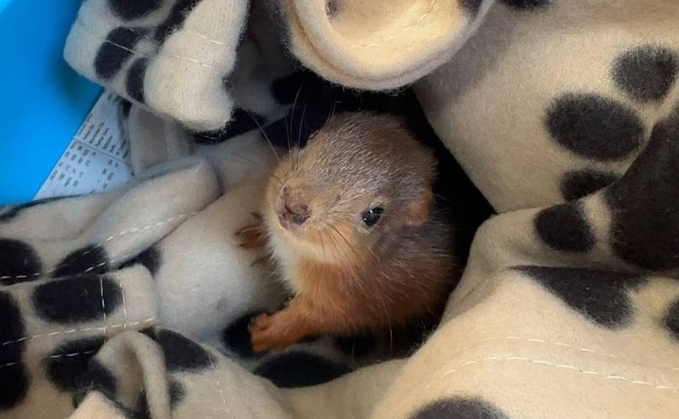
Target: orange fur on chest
(358, 300)
(334, 298)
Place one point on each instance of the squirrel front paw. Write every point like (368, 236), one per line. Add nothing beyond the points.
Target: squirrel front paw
(270, 332)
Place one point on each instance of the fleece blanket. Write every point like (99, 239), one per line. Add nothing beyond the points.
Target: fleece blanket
(565, 115)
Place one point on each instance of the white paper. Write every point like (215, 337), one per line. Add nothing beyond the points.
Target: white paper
(98, 157)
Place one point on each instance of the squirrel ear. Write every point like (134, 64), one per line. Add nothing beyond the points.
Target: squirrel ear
(418, 209)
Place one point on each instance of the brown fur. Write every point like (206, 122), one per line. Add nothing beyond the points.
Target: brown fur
(348, 278)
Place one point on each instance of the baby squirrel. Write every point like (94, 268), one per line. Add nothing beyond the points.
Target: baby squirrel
(350, 222)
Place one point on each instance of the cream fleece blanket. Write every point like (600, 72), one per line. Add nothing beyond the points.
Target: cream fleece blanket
(564, 114)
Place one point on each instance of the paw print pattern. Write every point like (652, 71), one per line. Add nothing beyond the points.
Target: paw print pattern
(578, 183)
(646, 73)
(604, 129)
(645, 202)
(527, 5)
(595, 127)
(564, 227)
(145, 51)
(131, 10)
(119, 46)
(82, 298)
(300, 369)
(68, 372)
(644, 231)
(14, 378)
(183, 354)
(600, 296)
(116, 50)
(459, 407)
(671, 320)
(18, 262)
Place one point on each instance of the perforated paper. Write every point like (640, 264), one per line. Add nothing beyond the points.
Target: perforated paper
(97, 158)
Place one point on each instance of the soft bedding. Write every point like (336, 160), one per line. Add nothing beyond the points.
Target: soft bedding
(564, 115)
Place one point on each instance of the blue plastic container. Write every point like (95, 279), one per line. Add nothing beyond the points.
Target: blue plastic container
(42, 100)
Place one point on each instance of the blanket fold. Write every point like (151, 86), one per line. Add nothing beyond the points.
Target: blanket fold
(376, 45)
(135, 303)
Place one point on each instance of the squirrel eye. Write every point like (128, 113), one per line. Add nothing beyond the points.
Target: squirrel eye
(372, 216)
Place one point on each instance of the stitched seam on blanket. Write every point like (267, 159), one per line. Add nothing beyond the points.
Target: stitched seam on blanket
(76, 330)
(555, 365)
(404, 30)
(86, 272)
(103, 304)
(133, 230)
(159, 53)
(183, 30)
(566, 345)
(417, 391)
(69, 355)
(221, 390)
(122, 294)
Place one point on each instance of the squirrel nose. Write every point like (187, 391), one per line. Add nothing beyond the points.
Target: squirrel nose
(293, 209)
(298, 214)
